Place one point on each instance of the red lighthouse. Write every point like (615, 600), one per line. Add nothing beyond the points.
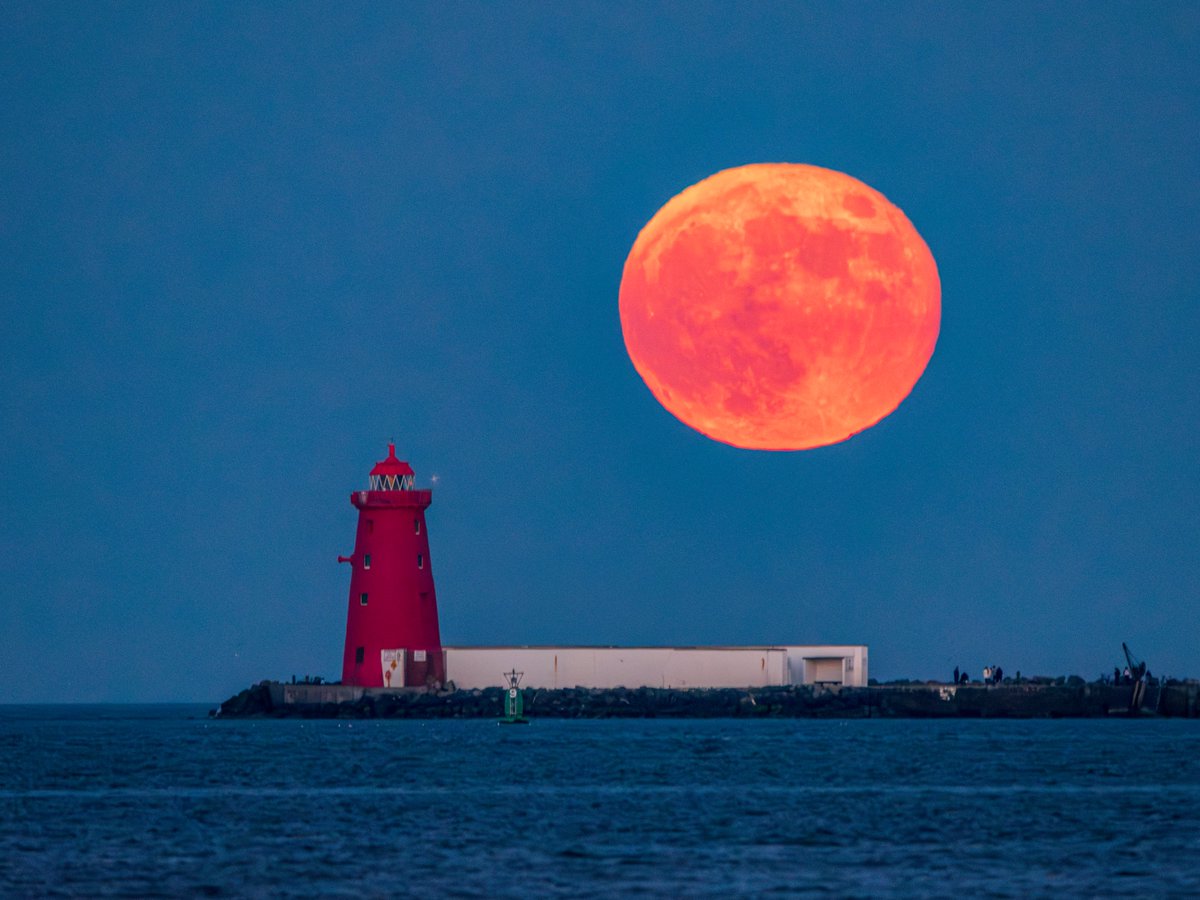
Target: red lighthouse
(392, 635)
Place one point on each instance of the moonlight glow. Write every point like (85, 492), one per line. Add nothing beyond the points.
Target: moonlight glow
(780, 306)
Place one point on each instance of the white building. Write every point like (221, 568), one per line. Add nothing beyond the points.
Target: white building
(660, 667)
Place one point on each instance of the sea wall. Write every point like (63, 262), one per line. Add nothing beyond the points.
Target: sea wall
(272, 699)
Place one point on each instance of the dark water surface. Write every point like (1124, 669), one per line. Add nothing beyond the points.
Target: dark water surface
(160, 801)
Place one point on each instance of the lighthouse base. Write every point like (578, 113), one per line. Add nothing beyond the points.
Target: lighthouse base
(407, 668)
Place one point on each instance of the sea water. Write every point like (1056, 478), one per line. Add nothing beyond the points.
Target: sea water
(162, 801)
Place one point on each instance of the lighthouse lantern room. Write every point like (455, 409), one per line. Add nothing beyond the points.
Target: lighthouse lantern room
(392, 637)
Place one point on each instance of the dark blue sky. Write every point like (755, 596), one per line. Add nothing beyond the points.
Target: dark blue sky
(242, 246)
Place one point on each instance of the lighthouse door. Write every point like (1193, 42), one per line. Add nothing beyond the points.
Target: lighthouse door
(393, 667)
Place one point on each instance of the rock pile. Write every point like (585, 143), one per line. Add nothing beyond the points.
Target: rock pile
(1069, 699)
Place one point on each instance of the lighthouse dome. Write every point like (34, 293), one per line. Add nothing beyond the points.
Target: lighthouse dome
(391, 474)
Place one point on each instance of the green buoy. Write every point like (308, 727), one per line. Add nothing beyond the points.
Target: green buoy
(514, 701)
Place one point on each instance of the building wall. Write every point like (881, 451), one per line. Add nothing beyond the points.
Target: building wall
(665, 667)
(286, 694)
(842, 663)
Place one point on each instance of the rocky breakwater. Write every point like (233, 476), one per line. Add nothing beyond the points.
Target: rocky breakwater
(699, 703)
(1075, 699)
(1064, 698)
(272, 700)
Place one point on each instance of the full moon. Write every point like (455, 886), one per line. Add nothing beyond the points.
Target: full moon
(780, 306)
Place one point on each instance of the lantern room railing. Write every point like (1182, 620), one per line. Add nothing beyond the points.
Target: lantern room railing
(414, 498)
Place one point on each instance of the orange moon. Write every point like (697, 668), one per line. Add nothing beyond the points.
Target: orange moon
(780, 306)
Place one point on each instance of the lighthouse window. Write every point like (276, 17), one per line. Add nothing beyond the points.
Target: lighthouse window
(362, 599)
(420, 561)
(358, 656)
(417, 526)
(367, 561)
